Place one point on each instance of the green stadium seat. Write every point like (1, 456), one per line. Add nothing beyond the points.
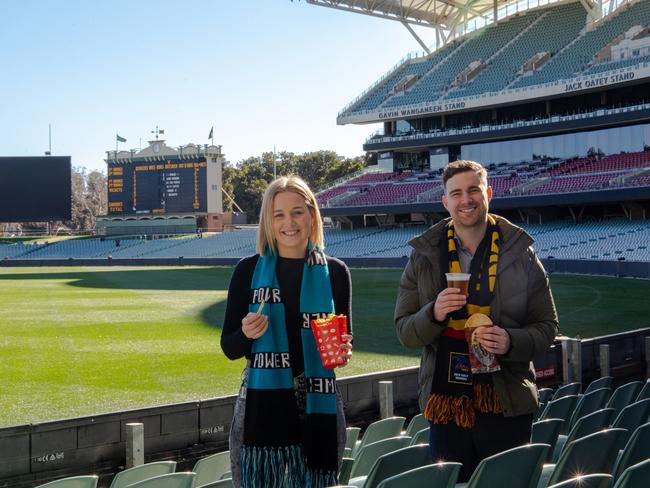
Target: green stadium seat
(73, 482)
(416, 424)
(624, 395)
(393, 463)
(421, 437)
(211, 468)
(439, 475)
(636, 476)
(636, 450)
(142, 472)
(633, 416)
(589, 403)
(591, 454)
(546, 432)
(345, 470)
(225, 483)
(645, 391)
(351, 436)
(602, 382)
(599, 480)
(369, 453)
(381, 429)
(562, 408)
(568, 389)
(171, 480)
(519, 467)
(594, 422)
(545, 395)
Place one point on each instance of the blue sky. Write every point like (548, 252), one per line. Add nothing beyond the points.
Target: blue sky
(263, 73)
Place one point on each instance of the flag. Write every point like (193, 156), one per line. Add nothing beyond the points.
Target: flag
(119, 138)
(211, 129)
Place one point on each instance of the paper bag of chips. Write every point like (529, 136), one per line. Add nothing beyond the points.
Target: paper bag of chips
(480, 360)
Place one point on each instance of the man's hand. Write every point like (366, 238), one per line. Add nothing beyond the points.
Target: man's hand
(448, 300)
(493, 339)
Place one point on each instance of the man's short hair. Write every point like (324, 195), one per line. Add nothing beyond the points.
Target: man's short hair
(463, 166)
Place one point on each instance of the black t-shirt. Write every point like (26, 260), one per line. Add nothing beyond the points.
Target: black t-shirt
(289, 272)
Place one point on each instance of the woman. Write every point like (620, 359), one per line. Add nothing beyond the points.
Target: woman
(288, 427)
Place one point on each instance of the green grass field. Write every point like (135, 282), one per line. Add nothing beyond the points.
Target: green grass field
(83, 341)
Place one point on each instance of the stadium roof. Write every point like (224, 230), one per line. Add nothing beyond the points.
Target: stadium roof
(447, 17)
(428, 13)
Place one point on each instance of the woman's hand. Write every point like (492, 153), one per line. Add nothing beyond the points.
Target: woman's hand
(345, 349)
(253, 326)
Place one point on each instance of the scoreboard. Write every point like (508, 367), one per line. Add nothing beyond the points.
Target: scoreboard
(158, 187)
(35, 189)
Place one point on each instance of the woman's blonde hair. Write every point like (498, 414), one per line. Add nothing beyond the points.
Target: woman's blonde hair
(296, 185)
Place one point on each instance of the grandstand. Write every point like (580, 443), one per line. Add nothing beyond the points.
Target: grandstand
(590, 240)
(551, 96)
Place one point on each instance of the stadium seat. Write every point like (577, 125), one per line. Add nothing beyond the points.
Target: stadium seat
(393, 463)
(225, 483)
(519, 467)
(566, 390)
(440, 475)
(171, 480)
(591, 454)
(599, 480)
(636, 450)
(633, 416)
(73, 482)
(540, 410)
(624, 395)
(545, 395)
(562, 408)
(351, 436)
(142, 472)
(603, 382)
(369, 453)
(421, 437)
(381, 429)
(636, 476)
(211, 468)
(594, 422)
(416, 424)
(589, 403)
(546, 432)
(645, 391)
(345, 470)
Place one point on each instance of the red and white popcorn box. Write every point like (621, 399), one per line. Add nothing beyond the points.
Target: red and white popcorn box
(327, 333)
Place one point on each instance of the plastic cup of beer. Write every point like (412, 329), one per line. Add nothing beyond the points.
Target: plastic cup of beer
(459, 280)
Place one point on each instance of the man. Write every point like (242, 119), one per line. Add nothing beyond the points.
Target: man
(475, 416)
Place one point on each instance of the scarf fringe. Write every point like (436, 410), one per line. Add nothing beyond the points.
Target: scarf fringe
(319, 478)
(486, 399)
(272, 466)
(441, 409)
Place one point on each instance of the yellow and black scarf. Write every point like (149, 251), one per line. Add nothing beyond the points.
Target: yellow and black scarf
(456, 395)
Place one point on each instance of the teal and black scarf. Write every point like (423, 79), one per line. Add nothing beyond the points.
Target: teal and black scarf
(456, 394)
(283, 446)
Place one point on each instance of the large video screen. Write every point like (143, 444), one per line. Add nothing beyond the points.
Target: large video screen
(35, 189)
(173, 186)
